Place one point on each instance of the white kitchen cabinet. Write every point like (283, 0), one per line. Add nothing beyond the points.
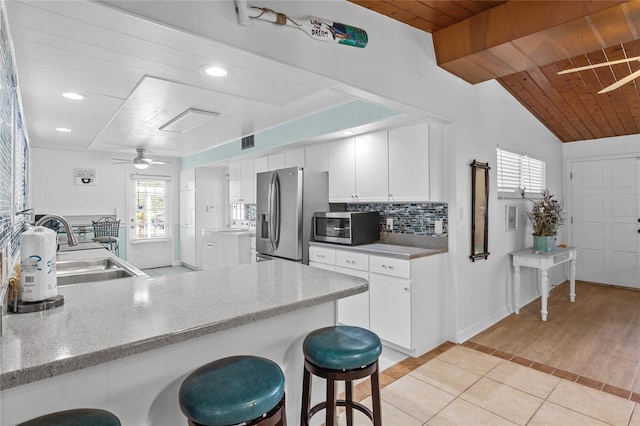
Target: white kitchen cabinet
(276, 161)
(342, 171)
(407, 302)
(188, 246)
(409, 163)
(316, 157)
(187, 179)
(242, 182)
(353, 310)
(406, 297)
(371, 168)
(358, 170)
(248, 182)
(200, 208)
(225, 248)
(260, 165)
(294, 157)
(188, 208)
(390, 299)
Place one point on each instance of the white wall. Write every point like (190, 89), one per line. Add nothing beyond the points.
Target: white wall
(53, 188)
(399, 64)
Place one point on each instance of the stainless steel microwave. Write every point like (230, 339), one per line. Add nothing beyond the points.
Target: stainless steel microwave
(346, 227)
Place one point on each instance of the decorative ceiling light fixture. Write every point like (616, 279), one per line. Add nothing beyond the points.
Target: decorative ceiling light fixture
(73, 96)
(188, 120)
(139, 163)
(316, 28)
(63, 129)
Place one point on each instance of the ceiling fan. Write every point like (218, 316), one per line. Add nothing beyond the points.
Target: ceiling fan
(141, 161)
(618, 83)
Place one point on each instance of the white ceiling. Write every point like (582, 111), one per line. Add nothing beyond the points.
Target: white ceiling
(137, 75)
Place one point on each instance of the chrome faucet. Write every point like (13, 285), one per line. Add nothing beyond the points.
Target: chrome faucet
(67, 226)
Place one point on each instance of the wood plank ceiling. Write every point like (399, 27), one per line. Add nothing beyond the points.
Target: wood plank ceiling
(568, 105)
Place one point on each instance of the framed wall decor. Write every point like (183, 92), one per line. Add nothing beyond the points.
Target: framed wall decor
(479, 210)
(510, 218)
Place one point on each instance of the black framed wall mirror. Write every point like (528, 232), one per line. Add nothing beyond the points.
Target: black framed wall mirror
(479, 210)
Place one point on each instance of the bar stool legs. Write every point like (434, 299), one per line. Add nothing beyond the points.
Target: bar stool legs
(341, 353)
(331, 403)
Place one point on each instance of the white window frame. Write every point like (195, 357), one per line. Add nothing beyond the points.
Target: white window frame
(519, 175)
(133, 238)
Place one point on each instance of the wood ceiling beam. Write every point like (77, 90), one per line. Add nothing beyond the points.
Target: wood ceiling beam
(519, 35)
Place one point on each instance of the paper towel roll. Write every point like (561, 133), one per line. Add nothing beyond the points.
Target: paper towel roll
(38, 264)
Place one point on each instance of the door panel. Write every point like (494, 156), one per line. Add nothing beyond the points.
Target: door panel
(606, 209)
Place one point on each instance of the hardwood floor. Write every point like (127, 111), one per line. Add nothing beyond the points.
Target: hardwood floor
(594, 341)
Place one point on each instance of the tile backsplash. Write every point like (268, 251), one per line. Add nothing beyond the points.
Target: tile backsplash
(409, 218)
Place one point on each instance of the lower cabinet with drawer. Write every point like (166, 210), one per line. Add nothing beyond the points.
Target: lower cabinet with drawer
(405, 304)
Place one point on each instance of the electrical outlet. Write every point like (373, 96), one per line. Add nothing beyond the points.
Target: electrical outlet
(390, 224)
(438, 226)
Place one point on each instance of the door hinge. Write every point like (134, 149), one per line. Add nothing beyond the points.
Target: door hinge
(570, 175)
(572, 220)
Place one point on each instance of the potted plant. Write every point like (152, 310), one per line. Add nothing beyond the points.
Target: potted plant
(545, 217)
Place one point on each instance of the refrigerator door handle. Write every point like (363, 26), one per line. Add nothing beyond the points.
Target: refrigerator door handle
(273, 211)
(276, 211)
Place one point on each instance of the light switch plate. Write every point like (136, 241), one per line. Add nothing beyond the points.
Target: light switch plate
(438, 226)
(390, 224)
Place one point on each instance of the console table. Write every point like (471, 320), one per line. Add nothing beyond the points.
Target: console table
(543, 261)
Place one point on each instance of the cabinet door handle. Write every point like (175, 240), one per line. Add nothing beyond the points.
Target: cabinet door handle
(406, 289)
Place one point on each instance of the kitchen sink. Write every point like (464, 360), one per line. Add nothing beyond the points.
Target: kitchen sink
(100, 269)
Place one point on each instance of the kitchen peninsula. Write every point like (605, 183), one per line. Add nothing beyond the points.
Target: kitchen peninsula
(126, 344)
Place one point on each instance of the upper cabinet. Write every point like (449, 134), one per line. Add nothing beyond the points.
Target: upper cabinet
(372, 173)
(242, 182)
(382, 166)
(276, 161)
(187, 179)
(342, 171)
(316, 157)
(294, 157)
(409, 163)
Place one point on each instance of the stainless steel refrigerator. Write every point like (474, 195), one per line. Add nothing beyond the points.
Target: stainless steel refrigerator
(286, 201)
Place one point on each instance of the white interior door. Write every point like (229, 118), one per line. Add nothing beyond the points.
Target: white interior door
(606, 214)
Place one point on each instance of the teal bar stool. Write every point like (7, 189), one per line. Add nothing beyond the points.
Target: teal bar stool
(341, 353)
(238, 389)
(77, 417)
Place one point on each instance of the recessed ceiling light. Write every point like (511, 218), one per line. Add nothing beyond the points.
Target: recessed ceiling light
(74, 96)
(63, 129)
(214, 71)
(347, 132)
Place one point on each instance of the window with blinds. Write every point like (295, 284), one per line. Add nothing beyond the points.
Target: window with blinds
(520, 175)
(151, 204)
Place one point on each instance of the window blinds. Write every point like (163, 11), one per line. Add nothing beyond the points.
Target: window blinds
(519, 174)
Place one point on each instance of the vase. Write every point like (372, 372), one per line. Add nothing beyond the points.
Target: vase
(544, 243)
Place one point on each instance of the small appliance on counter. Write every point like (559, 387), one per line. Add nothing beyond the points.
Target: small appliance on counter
(286, 201)
(346, 227)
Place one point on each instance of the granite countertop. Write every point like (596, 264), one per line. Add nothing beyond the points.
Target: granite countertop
(388, 250)
(108, 320)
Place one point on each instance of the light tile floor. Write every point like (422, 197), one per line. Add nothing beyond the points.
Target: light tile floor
(462, 386)
(458, 386)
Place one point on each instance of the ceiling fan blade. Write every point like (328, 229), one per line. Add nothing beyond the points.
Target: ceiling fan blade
(604, 64)
(123, 162)
(121, 159)
(621, 82)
